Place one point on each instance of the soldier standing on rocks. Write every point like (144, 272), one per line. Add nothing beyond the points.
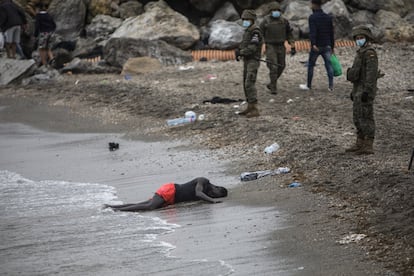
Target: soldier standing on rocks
(276, 30)
(250, 50)
(363, 74)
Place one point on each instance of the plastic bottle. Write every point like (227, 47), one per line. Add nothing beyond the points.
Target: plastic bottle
(179, 121)
(248, 176)
(272, 148)
(294, 185)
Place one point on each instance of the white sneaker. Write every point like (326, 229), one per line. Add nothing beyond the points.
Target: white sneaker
(304, 87)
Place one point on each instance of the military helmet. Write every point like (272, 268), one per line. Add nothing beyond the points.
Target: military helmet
(274, 6)
(249, 14)
(362, 30)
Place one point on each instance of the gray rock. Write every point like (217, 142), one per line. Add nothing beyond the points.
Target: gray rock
(69, 17)
(80, 66)
(227, 12)
(130, 9)
(297, 10)
(225, 35)
(43, 75)
(206, 6)
(341, 18)
(395, 28)
(13, 70)
(298, 13)
(396, 6)
(363, 17)
(102, 26)
(118, 50)
(160, 22)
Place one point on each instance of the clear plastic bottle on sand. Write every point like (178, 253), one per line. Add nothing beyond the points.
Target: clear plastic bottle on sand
(272, 148)
(179, 121)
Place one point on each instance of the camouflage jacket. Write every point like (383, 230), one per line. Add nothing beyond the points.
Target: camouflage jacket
(251, 45)
(276, 30)
(364, 71)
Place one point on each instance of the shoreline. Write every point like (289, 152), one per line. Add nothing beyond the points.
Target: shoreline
(310, 237)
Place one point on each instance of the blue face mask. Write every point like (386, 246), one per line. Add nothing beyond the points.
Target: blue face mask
(361, 42)
(246, 23)
(276, 14)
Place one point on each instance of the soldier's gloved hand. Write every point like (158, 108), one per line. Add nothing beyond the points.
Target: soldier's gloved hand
(351, 97)
(237, 53)
(292, 52)
(364, 97)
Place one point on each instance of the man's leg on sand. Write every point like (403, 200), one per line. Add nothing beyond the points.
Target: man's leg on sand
(154, 203)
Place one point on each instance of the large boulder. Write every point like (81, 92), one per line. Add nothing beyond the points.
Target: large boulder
(14, 70)
(99, 7)
(141, 65)
(118, 50)
(130, 9)
(341, 17)
(400, 7)
(206, 6)
(225, 35)
(298, 13)
(160, 22)
(69, 17)
(395, 28)
(227, 12)
(102, 26)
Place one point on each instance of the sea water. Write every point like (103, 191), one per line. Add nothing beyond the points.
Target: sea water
(58, 227)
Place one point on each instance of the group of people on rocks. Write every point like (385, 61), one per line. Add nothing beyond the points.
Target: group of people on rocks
(275, 30)
(13, 22)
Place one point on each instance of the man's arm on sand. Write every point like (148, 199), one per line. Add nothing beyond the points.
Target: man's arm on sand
(200, 194)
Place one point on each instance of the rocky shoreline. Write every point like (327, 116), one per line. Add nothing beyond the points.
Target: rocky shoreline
(373, 194)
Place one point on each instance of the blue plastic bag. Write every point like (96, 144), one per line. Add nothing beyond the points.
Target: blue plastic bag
(336, 65)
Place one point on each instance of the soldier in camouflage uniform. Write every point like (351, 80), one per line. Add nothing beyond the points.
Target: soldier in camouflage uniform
(250, 50)
(363, 74)
(276, 30)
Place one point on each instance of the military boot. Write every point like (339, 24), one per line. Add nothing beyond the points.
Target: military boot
(251, 111)
(247, 110)
(254, 111)
(272, 88)
(356, 146)
(367, 147)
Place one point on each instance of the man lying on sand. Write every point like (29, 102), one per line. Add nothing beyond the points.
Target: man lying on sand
(197, 189)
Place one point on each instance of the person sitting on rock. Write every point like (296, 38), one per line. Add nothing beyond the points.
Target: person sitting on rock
(168, 194)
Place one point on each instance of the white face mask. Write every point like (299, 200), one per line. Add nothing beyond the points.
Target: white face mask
(246, 23)
(360, 42)
(276, 14)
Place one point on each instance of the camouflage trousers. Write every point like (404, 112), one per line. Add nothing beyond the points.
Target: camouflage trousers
(276, 57)
(250, 67)
(363, 115)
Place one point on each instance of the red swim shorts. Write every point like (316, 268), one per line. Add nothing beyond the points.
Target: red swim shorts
(167, 192)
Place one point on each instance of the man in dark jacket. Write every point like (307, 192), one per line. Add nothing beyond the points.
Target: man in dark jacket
(12, 18)
(321, 33)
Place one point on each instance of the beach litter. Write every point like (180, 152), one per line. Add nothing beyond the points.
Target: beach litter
(185, 68)
(272, 148)
(113, 146)
(295, 184)
(248, 176)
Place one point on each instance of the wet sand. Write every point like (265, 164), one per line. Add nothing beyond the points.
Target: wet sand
(285, 232)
